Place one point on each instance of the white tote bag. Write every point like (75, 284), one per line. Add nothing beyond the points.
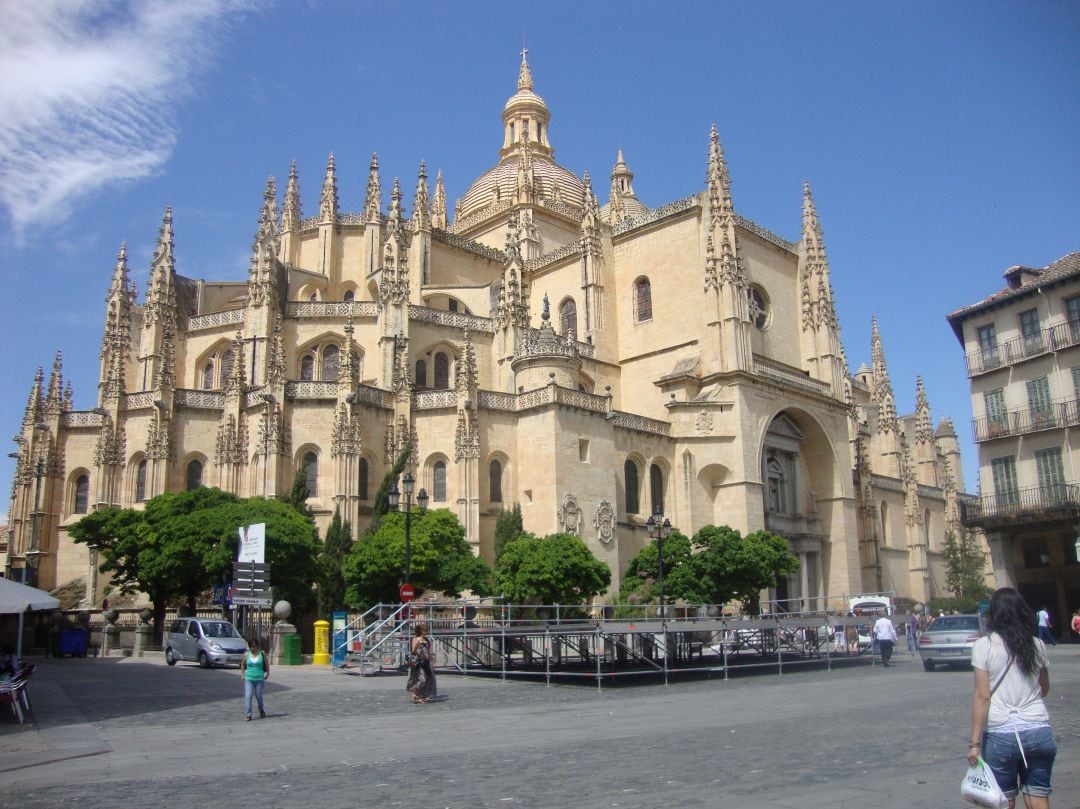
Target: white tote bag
(981, 788)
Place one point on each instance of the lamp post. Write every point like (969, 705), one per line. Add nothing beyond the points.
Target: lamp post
(268, 400)
(408, 484)
(660, 529)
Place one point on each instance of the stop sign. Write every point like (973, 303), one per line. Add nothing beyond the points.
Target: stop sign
(407, 593)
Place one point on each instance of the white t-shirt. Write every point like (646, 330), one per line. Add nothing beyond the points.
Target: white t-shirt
(1044, 618)
(884, 629)
(1018, 701)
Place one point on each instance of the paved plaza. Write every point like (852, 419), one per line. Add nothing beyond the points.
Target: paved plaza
(137, 733)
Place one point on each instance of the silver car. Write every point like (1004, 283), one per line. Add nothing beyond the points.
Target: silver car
(209, 641)
(949, 639)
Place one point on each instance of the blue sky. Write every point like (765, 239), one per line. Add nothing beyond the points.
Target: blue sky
(940, 140)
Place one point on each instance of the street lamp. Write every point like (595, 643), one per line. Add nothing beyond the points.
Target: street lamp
(408, 484)
(659, 528)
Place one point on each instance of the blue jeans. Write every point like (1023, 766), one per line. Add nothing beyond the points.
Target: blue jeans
(1002, 755)
(1047, 636)
(253, 688)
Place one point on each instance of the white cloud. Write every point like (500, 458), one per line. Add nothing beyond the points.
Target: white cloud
(88, 91)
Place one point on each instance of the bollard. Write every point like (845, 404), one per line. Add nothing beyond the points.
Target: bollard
(322, 644)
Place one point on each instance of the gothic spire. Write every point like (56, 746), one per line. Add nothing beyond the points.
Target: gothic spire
(235, 382)
(438, 207)
(882, 392)
(816, 287)
(54, 399)
(328, 202)
(718, 183)
(421, 202)
(264, 248)
(34, 404)
(291, 217)
(924, 424)
(467, 376)
(161, 296)
(373, 198)
(525, 81)
(349, 362)
(395, 206)
(589, 205)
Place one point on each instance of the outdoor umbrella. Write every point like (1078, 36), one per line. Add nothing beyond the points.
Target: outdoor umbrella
(18, 598)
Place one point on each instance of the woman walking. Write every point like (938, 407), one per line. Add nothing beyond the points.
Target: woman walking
(1009, 721)
(256, 670)
(421, 683)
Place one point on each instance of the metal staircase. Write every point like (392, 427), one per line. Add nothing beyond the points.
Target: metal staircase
(375, 642)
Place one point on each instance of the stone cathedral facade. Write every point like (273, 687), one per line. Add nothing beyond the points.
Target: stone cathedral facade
(593, 362)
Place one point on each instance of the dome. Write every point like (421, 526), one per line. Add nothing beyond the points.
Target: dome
(550, 176)
(632, 208)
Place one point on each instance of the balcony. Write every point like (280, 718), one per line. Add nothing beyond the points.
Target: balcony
(1033, 504)
(1021, 422)
(1054, 338)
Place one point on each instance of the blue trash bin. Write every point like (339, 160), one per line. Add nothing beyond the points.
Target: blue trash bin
(73, 642)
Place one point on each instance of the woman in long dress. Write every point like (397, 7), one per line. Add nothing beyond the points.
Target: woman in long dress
(421, 683)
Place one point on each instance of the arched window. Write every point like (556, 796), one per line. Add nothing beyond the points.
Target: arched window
(421, 374)
(362, 479)
(442, 371)
(643, 300)
(313, 297)
(330, 363)
(82, 494)
(194, 475)
(349, 296)
(656, 488)
(311, 473)
(495, 482)
(438, 482)
(630, 477)
(208, 376)
(307, 368)
(226, 367)
(568, 317)
(140, 481)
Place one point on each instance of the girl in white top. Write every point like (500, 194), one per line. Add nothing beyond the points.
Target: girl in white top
(1010, 725)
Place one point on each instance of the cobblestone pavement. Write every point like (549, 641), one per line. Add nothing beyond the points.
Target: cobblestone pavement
(142, 733)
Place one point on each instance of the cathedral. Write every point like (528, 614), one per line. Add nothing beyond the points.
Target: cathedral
(595, 363)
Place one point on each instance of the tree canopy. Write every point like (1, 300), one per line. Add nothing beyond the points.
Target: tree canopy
(716, 566)
(185, 542)
(508, 527)
(965, 563)
(335, 549)
(556, 569)
(441, 560)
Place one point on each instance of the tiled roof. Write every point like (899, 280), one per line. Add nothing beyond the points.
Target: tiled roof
(1065, 267)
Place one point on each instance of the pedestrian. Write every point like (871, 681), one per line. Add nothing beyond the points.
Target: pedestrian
(885, 635)
(1009, 721)
(1076, 623)
(256, 670)
(1046, 634)
(912, 634)
(421, 683)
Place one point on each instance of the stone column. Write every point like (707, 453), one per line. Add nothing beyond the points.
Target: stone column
(804, 579)
(144, 632)
(282, 611)
(110, 634)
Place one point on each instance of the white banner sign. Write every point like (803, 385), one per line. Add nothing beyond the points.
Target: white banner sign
(252, 543)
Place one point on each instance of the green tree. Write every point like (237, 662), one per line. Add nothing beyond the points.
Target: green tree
(380, 506)
(508, 527)
(182, 543)
(298, 495)
(965, 564)
(556, 569)
(335, 549)
(716, 566)
(441, 560)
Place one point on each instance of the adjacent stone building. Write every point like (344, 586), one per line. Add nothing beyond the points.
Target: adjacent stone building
(594, 363)
(1022, 346)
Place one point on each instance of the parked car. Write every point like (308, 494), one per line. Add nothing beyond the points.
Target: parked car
(209, 641)
(949, 639)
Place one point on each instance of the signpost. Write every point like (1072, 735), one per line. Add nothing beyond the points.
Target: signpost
(407, 593)
(251, 573)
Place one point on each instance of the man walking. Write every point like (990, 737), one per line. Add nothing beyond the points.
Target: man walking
(1045, 634)
(912, 634)
(885, 633)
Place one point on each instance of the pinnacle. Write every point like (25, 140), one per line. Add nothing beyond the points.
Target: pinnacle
(525, 81)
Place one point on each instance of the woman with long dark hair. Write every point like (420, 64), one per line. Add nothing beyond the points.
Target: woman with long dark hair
(1010, 725)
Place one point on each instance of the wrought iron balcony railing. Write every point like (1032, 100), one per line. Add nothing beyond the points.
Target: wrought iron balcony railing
(1029, 504)
(1054, 338)
(1021, 422)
